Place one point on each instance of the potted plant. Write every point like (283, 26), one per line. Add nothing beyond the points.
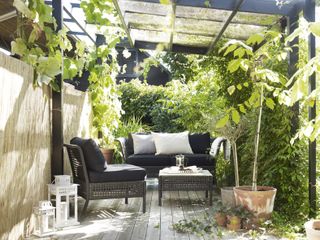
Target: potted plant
(221, 215)
(107, 146)
(312, 229)
(233, 219)
(258, 199)
(257, 64)
(232, 132)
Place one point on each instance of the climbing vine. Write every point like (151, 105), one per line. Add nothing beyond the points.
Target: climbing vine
(50, 53)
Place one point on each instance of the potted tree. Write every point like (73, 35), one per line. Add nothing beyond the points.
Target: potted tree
(232, 132)
(258, 66)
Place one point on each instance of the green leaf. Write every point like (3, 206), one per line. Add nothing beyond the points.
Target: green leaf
(22, 7)
(239, 52)
(165, 2)
(230, 49)
(242, 108)
(315, 28)
(207, 3)
(234, 65)
(239, 86)
(246, 84)
(19, 47)
(272, 76)
(270, 103)
(231, 89)
(222, 122)
(255, 39)
(235, 116)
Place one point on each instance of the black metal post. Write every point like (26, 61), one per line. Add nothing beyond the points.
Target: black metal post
(57, 120)
(309, 14)
(100, 40)
(293, 23)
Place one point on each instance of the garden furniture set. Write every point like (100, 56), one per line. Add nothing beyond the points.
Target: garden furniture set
(97, 180)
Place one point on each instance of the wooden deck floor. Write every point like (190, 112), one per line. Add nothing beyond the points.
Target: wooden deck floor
(114, 220)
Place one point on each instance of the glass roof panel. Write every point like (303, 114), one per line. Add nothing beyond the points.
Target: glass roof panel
(191, 40)
(222, 15)
(150, 36)
(144, 7)
(190, 26)
(242, 32)
(197, 27)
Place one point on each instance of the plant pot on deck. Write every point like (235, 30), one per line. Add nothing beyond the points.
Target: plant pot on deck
(260, 202)
(233, 223)
(221, 219)
(108, 154)
(227, 197)
(312, 229)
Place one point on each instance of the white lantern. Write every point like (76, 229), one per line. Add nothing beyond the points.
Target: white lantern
(64, 194)
(45, 219)
(62, 180)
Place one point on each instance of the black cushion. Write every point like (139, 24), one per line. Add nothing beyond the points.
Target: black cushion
(199, 160)
(200, 142)
(151, 160)
(118, 173)
(93, 157)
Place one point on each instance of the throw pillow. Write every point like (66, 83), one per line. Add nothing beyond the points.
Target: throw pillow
(200, 142)
(93, 157)
(143, 144)
(172, 143)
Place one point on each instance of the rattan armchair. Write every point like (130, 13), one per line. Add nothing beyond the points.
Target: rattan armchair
(101, 190)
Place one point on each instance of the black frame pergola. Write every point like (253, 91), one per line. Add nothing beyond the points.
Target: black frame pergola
(289, 11)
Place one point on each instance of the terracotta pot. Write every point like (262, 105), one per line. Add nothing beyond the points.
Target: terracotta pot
(221, 219)
(313, 229)
(260, 202)
(227, 197)
(108, 154)
(233, 223)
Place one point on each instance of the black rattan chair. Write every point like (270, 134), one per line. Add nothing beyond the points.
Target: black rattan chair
(94, 185)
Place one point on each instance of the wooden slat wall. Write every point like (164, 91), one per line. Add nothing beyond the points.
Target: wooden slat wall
(24, 146)
(25, 142)
(76, 117)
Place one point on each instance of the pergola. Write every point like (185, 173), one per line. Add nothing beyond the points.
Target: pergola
(191, 26)
(188, 26)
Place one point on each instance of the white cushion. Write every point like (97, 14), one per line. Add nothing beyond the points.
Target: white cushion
(172, 143)
(143, 144)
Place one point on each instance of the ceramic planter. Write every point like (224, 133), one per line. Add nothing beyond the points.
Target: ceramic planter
(108, 154)
(313, 229)
(221, 219)
(260, 202)
(227, 197)
(233, 223)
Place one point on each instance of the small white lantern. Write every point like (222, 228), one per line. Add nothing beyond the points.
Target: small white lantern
(45, 219)
(62, 180)
(64, 193)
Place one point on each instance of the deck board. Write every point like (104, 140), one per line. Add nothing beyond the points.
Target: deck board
(114, 220)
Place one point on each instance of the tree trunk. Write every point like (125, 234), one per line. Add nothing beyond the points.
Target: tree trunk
(256, 146)
(235, 162)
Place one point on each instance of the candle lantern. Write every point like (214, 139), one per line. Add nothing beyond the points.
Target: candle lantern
(64, 193)
(45, 219)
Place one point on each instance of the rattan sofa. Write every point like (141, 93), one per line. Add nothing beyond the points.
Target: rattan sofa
(117, 181)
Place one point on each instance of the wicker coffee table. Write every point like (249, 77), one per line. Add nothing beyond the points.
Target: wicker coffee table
(201, 181)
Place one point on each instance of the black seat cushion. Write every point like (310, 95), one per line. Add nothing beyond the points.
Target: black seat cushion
(200, 142)
(151, 160)
(199, 160)
(118, 173)
(93, 157)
